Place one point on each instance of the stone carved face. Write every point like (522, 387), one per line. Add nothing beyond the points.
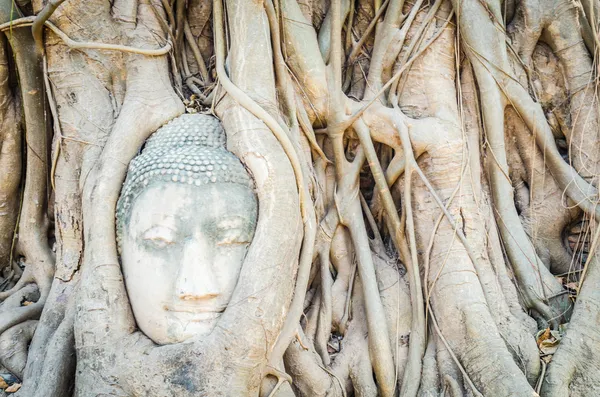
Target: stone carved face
(182, 250)
(185, 219)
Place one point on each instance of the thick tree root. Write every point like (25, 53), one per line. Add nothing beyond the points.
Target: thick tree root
(14, 345)
(33, 225)
(10, 164)
(575, 369)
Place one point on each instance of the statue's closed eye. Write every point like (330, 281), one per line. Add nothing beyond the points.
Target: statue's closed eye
(159, 236)
(232, 231)
(232, 236)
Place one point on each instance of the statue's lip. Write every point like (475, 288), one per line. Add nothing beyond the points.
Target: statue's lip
(206, 311)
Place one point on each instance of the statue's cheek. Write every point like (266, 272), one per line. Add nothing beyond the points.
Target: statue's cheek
(227, 267)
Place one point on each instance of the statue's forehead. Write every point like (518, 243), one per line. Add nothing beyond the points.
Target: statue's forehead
(180, 202)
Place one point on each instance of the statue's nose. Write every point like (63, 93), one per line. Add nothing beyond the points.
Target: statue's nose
(196, 279)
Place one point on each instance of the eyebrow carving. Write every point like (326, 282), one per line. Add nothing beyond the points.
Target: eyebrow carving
(160, 232)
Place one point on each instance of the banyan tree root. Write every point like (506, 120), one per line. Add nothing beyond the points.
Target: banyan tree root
(536, 282)
(574, 369)
(14, 341)
(33, 223)
(452, 272)
(14, 345)
(10, 163)
(32, 243)
(581, 131)
(420, 136)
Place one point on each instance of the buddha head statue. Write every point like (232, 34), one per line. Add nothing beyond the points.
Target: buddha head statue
(185, 218)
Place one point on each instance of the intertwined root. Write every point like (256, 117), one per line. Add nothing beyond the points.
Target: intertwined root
(574, 369)
(10, 164)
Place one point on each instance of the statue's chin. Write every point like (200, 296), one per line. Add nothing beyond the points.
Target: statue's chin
(179, 327)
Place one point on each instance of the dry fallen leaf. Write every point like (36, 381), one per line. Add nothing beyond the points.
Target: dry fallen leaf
(542, 336)
(549, 346)
(27, 303)
(548, 341)
(573, 286)
(3, 384)
(13, 388)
